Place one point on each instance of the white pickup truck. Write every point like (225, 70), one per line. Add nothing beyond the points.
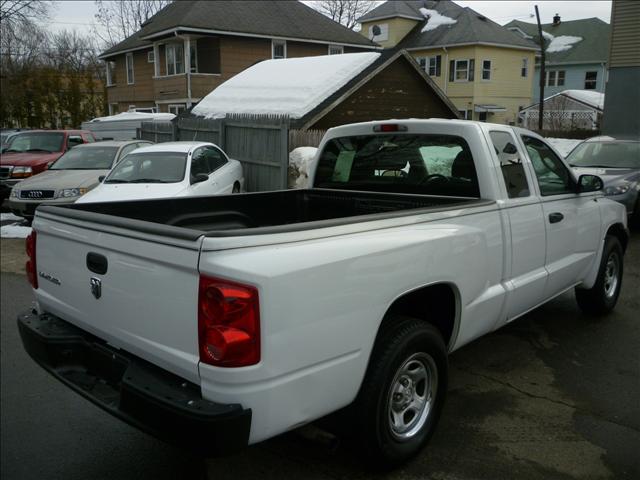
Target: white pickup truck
(218, 322)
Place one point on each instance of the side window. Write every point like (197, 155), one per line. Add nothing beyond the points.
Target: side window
(199, 163)
(553, 176)
(88, 137)
(515, 178)
(127, 149)
(74, 140)
(215, 158)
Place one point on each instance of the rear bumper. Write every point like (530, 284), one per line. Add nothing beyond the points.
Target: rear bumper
(141, 394)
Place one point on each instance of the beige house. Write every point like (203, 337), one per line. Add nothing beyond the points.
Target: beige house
(486, 70)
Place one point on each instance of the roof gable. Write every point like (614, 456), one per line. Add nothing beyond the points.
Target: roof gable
(594, 46)
(258, 18)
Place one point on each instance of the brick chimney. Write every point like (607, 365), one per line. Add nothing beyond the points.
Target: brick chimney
(556, 19)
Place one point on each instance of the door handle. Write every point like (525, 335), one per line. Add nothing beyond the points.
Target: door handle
(555, 217)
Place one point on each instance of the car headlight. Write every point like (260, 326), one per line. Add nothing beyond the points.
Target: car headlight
(21, 172)
(618, 189)
(72, 192)
(15, 193)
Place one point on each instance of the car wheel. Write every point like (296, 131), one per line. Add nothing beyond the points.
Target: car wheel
(401, 397)
(603, 296)
(236, 188)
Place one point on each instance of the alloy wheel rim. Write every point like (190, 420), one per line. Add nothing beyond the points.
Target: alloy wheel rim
(611, 274)
(412, 395)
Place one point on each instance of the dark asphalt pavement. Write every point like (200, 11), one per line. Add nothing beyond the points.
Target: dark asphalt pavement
(553, 395)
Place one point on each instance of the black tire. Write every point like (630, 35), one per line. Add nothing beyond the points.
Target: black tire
(404, 341)
(236, 188)
(603, 296)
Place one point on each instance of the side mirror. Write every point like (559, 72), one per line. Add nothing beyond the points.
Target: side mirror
(589, 183)
(101, 178)
(200, 177)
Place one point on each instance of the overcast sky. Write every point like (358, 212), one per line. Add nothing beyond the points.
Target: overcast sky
(80, 14)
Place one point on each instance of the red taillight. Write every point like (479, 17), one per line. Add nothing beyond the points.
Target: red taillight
(228, 323)
(30, 267)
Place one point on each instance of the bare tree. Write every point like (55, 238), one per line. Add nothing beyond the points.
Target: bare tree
(119, 20)
(345, 12)
(18, 12)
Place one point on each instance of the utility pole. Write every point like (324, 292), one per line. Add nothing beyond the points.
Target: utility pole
(542, 73)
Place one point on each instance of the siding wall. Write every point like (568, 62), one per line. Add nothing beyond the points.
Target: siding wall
(398, 29)
(625, 34)
(574, 79)
(506, 88)
(396, 92)
(236, 54)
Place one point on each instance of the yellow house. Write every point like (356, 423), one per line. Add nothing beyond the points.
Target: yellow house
(485, 69)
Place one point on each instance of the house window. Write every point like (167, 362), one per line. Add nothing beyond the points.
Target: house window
(151, 57)
(466, 114)
(524, 71)
(111, 73)
(193, 52)
(461, 70)
(486, 69)
(482, 116)
(431, 65)
(175, 58)
(177, 108)
(590, 80)
(113, 108)
(555, 78)
(336, 49)
(129, 60)
(278, 49)
(422, 61)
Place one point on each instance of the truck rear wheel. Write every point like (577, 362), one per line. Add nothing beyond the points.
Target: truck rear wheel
(603, 296)
(401, 397)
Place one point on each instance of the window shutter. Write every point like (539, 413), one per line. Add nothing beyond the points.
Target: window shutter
(472, 67)
(438, 65)
(452, 70)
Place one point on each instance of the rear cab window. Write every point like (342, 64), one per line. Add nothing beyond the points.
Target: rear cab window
(399, 163)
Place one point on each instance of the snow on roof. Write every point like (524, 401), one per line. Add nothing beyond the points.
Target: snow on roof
(135, 116)
(291, 86)
(435, 19)
(547, 35)
(595, 99)
(562, 43)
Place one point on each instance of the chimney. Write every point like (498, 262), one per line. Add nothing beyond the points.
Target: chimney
(556, 19)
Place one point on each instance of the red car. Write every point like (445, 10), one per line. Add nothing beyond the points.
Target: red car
(28, 153)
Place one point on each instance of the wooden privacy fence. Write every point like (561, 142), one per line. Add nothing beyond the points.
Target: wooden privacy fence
(305, 138)
(259, 142)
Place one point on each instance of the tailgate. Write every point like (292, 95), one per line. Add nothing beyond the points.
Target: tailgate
(147, 304)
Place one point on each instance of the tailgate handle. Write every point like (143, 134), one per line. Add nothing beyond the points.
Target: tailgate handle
(97, 263)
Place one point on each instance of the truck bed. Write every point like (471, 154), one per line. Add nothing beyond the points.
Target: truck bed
(257, 213)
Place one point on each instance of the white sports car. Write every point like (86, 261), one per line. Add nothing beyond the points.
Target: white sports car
(173, 169)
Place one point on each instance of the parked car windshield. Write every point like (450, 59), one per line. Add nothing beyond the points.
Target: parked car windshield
(150, 167)
(86, 158)
(35, 142)
(606, 155)
(402, 163)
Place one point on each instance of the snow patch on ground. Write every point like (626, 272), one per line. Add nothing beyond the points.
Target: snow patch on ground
(562, 43)
(5, 217)
(563, 145)
(14, 231)
(291, 86)
(136, 116)
(435, 19)
(301, 161)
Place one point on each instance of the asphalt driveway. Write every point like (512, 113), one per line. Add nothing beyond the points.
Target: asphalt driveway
(553, 395)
